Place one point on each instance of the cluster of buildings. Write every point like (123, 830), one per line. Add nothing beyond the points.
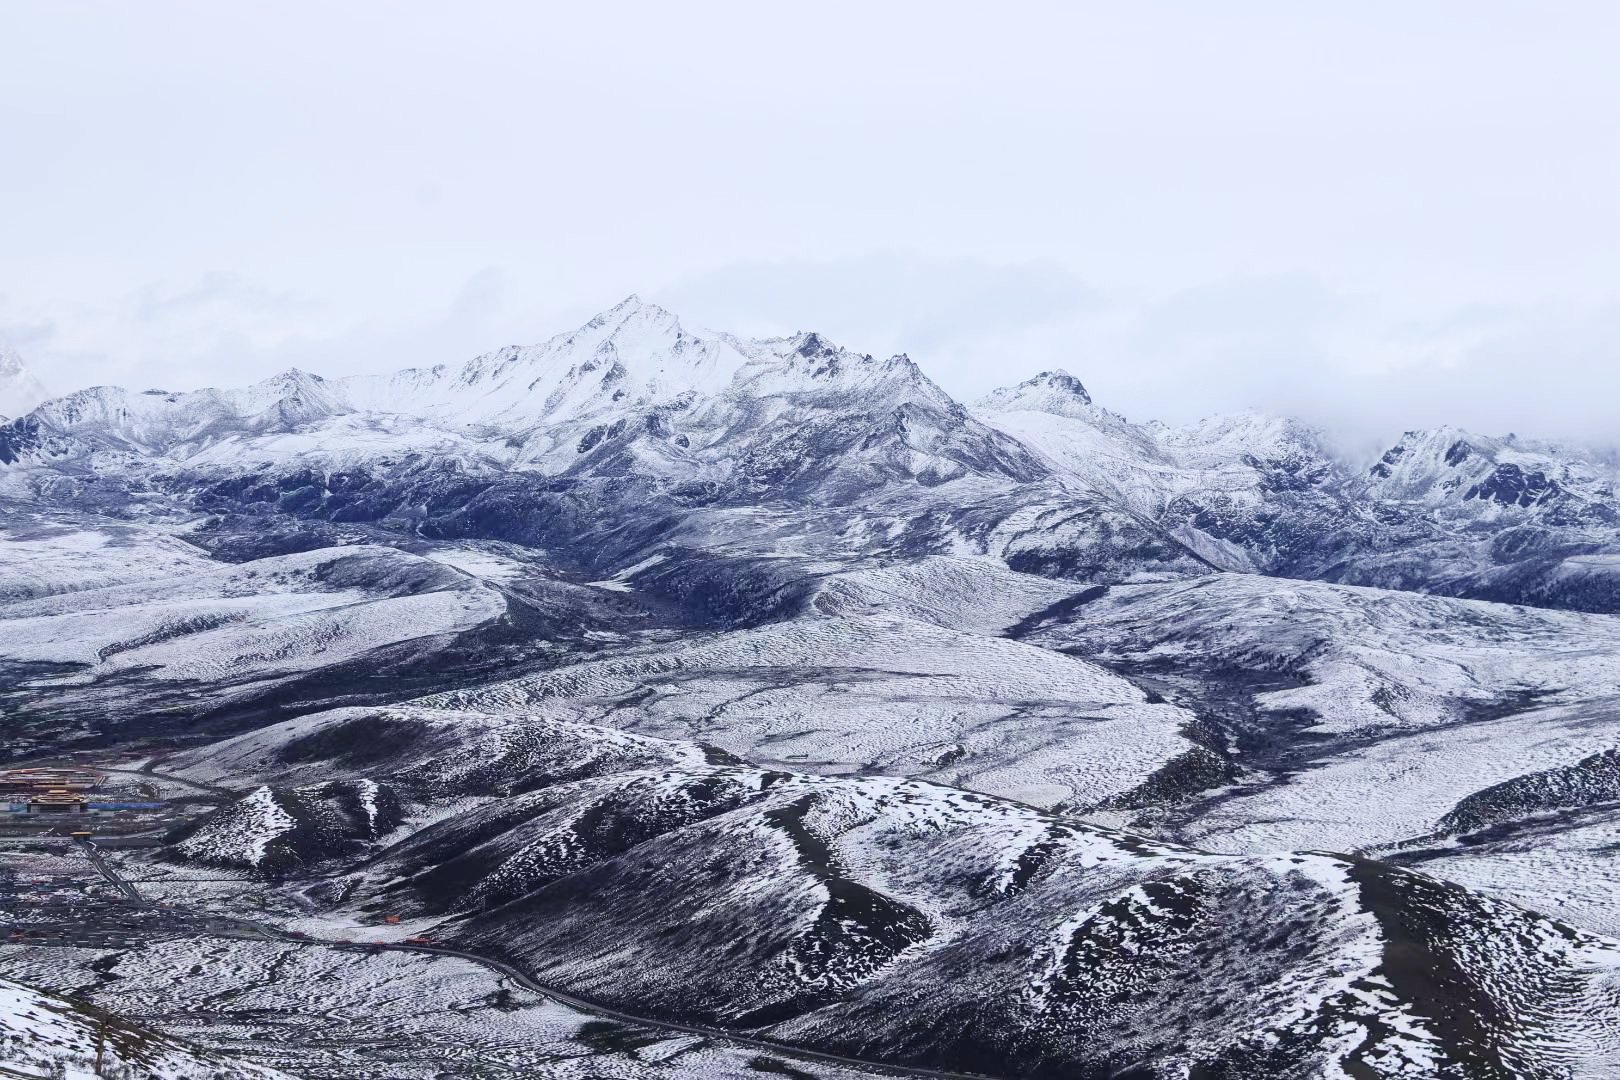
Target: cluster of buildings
(57, 790)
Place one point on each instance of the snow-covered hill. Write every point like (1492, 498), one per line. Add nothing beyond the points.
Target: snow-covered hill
(641, 656)
(333, 1013)
(1298, 715)
(632, 432)
(110, 630)
(899, 921)
(42, 1035)
(1475, 736)
(879, 694)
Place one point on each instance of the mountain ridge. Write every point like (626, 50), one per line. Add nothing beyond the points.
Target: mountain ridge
(642, 419)
(760, 683)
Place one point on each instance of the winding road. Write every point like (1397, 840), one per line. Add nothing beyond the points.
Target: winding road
(107, 871)
(254, 931)
(150, 770)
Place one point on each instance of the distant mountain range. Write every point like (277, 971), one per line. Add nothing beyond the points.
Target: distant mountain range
(636, 416)
(759, 684)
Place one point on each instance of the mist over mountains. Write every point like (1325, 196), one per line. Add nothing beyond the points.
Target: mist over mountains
(19, 390)
(710, 422)
(760, 688)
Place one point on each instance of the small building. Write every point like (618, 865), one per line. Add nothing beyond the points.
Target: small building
(38, 781)
(56, 802)
(99, 807)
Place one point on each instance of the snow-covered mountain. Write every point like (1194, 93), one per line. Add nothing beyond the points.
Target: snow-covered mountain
(1442, 511)
(20, 392)
(1445, 470)
(1246, 492)
(758, 683)
(658, 434)
(630, 392)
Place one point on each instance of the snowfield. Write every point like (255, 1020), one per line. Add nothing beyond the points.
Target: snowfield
(877, 693)
(44, 554)
(261, 619)
(758, 684)
(812, 907)
(48, 1037)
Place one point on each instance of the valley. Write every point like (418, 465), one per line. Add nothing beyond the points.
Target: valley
(707, 706)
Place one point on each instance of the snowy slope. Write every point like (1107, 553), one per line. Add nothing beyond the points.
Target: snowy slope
(438, 752)
(1054, 414)
(899, 921)
(1150, 466)
(337, 782)
(1247, 492)
(269, 618)
(1364, 658)
(42, 554)
(45, 1036)
(876, 693)
(1371, 720)
(325, 1013)
(273, 830)
(176, 635)
(978, 595)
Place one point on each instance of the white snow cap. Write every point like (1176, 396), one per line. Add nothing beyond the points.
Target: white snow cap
(1055, 392)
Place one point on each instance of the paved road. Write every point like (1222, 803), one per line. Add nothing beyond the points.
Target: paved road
(261, 932)
(252, 931)
(150, 770)
(131, 893)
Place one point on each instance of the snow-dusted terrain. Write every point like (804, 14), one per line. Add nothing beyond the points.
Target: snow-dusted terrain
(1362, 719)
(877, 693)
(45, 1036)
(108, 626)
(761, 685)
(323, 1014)
(852, 914)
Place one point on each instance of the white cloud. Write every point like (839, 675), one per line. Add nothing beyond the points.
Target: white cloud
(1363, 214)
(882, 302)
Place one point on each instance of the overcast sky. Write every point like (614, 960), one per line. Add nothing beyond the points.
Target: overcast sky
(1377, 215)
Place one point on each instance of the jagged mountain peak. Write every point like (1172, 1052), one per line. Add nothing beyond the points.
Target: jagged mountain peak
(631, 314)
(1054, 391)
(294, 376)
(634, 305)
(1442, 449)
(1479, 475)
